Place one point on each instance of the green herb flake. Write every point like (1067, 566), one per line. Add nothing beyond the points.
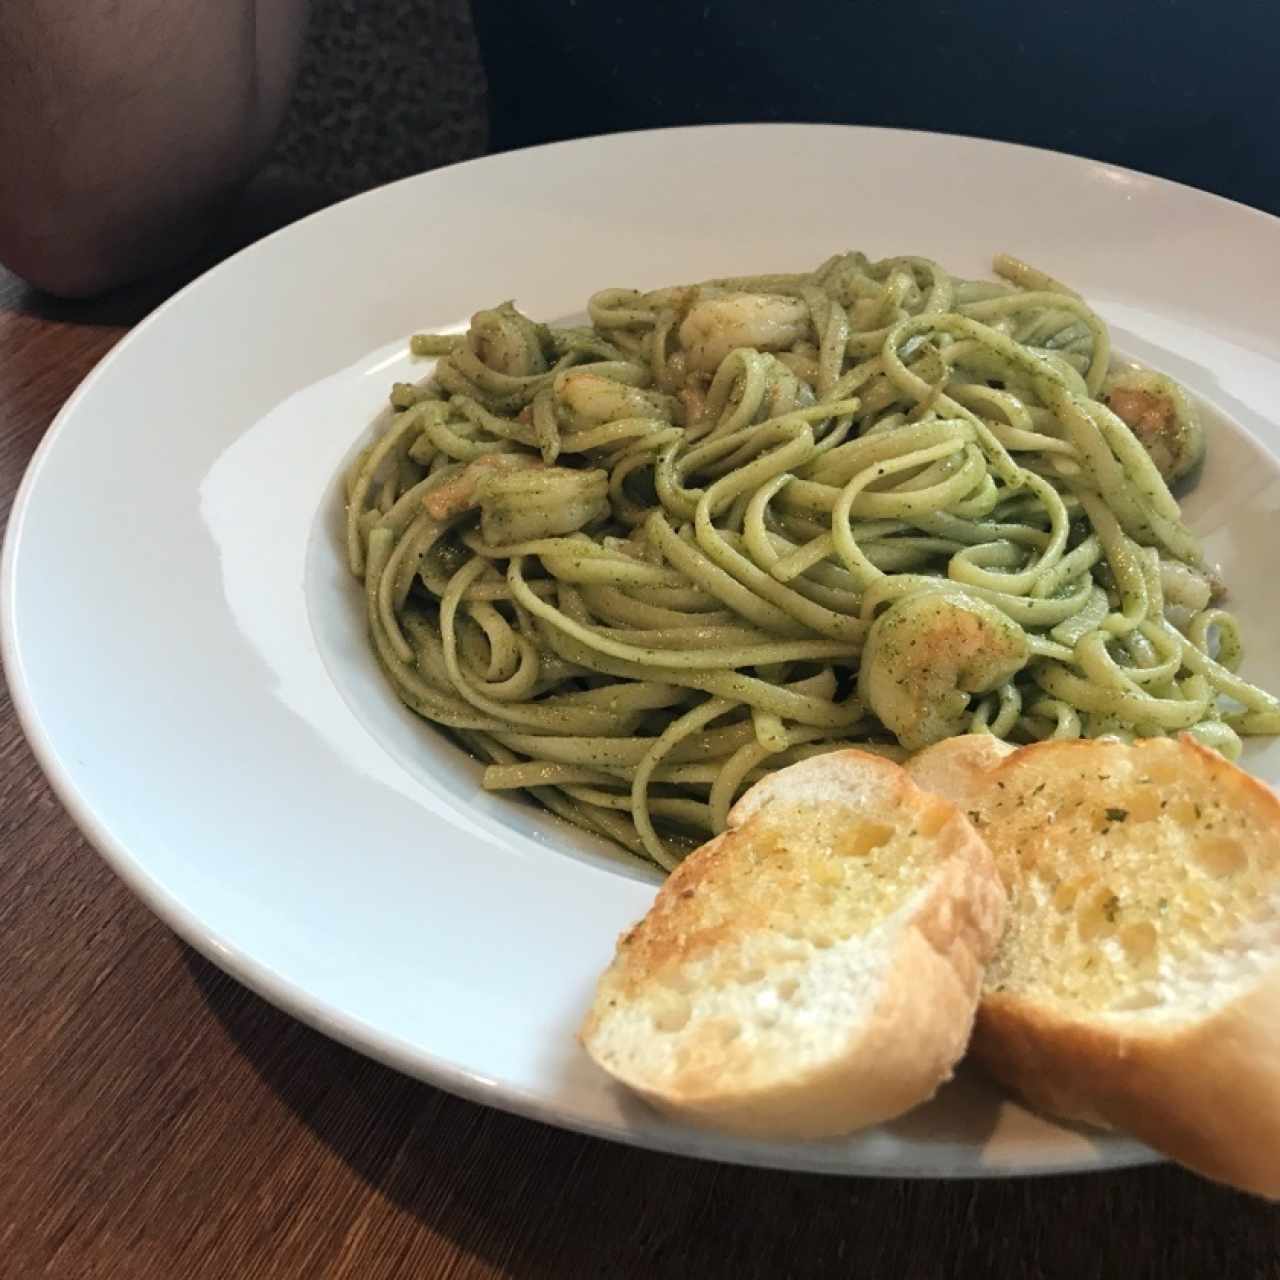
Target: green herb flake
(1116, 815)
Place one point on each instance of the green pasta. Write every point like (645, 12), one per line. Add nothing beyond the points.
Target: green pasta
(636, 565)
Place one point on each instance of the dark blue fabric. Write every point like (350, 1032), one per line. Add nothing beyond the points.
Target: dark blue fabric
(1182, 88)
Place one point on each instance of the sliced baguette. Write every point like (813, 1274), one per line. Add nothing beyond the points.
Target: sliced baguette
(1138, 984)
(813, 969)
(958, 768)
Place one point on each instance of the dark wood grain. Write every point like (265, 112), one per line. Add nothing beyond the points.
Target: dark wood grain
(159, 1122)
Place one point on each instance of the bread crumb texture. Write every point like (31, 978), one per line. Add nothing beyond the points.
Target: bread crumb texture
(1141, 876)
(768, 955)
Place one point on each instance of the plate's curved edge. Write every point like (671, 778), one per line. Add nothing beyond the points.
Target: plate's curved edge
(295, 1002)
(290, 997)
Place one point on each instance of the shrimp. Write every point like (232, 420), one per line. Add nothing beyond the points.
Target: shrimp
(927, 653)
(591, 400)
(462, 491)
(1158, 413)
(539, 502)
(717, 325)
(1188, 587)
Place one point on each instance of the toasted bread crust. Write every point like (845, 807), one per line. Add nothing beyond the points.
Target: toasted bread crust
(958, 768)
(1203, 1088)
(919, 991)
(1205, 1093)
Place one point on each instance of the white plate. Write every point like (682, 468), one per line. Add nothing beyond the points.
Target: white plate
(185, 651)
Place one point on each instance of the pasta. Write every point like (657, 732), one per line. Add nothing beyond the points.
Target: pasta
(636, 564)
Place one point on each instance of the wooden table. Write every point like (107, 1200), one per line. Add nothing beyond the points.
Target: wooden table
(159, 1121)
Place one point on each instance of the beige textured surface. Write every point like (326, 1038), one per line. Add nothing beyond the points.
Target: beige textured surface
(813, 969)
(957, 768)
(1138, 985)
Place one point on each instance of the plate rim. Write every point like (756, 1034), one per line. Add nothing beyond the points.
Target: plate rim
(291, 996)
